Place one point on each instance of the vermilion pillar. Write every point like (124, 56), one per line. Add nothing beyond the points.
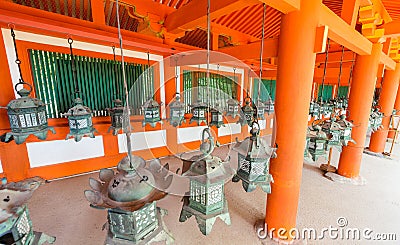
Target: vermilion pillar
(386, 102)
(293, 89)
(360, 101)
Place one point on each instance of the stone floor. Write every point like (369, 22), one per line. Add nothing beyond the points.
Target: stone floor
(59, 208)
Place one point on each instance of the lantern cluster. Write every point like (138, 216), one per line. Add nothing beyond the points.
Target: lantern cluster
(375, 120)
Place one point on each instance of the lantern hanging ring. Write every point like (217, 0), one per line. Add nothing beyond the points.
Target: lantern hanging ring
(18, 62)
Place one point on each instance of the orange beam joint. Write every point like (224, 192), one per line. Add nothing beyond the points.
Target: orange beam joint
(284, 6)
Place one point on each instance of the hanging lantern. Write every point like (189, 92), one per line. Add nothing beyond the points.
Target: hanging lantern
(314, 108)
(206, 198)
(117, 116)
(79, 121)
(79, 116)
(177, 112)
(345, 136)
(199, 111)
(375, 120)
(254, 156)
(248, 113)
(130, 198)
(233, 108)
(269, 106)
(318, 143)
(260, 110)
(307, 155)
(27, 115)
(15, 222)
(216, 116)
(151, 110)
(333, 130)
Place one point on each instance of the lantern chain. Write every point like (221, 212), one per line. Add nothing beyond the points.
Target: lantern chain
(262, 50)
(208, 55)
(340, 72)
(73, 66)
(18, 62)
(323, 78)
(116, 73)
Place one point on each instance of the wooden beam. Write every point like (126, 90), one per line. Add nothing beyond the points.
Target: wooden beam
(392, 29)
(334, 57)
(284, 6)
(387, 61)
(343, 33)
(321, 38)
(252, 50)
(350, 11)
(194, 14)
(98, 12)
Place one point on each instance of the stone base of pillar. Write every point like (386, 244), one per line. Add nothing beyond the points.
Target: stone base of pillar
(262, 233)
(375, 154)
(344, 180)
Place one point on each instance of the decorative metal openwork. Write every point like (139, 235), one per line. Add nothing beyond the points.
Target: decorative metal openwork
(206, 198)
(375, 120)
(317, 145)
(27, 115)
(247, 116)
(199, 111)
(347, 128)
(151, 110)
(177, 111)
(333, 130)
(79, 116)
(254, 155)
(217, 118)
(232, 108)
(15, 222)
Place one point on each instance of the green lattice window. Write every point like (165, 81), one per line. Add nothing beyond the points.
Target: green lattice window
(326, 92)
(222, 88)
(267, 91)
(52, 76)
(342, 92)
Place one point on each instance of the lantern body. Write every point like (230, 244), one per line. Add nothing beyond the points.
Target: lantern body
(248, 115)
(269, 106)
(199, 111)
(317, 145)
(206, 198)
(345, 136)
(133, 226)
(307, 155)
(79, 121)
(216, 117)
(17, 230)
(254, 156)
(117, 117)
(333, 130)
(232, 108)
(177, 112)
(27, 116)
(261, 110)
(151, 113)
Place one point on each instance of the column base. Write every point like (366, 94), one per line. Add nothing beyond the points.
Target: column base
(377, 154)
(344, 180)
(262, 233)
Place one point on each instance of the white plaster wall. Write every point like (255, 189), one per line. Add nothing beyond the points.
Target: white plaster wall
(143, 140)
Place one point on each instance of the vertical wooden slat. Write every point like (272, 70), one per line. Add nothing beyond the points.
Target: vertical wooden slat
(82, 4)
(66, 7)
(67, 83)
(59, 73)
(58, 7)
(73, 8)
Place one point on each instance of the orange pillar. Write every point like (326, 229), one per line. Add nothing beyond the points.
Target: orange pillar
(397, 108)
(293, 90)
(360, 101)
(386, 102)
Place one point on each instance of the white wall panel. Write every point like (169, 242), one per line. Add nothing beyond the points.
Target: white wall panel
(230, 129)
(143, 140)
(190, 134)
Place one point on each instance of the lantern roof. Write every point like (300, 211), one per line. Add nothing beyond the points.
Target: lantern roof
(132, 187)
(344, 123)
(177, 103)
(331, 125)
(247, 107)
(232, 101)
(199, 104)
(25, 101)
(255, 147)
(79, 109)
(150, 103)
(316, 132)
(217, 108)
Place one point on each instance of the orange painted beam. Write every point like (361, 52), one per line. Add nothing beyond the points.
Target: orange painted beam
(343, 34)
(386, 102)
(321, 38)
(392, 29)
(284, 6)
(252, 50)
(335, 57)
(350, 11)
(387, 61)
(145, 7)
(98, 15)
(360, 100)
(194, 14)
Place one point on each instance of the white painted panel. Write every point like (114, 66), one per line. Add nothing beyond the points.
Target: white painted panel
(1, 167)
(59, 151)
(143, 140)
(263, 124)
(271, 125)
(190, 134)
(230, 129)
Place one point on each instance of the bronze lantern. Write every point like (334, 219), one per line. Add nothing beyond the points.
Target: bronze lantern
(151, 110)
(254, 155)
(216, 116)
(247, 115)
(27, 115)
(232, 108)
(199, 111)
(79, 121)
(117, 117)
(130, 197)
(206, 198)
(176, 111)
